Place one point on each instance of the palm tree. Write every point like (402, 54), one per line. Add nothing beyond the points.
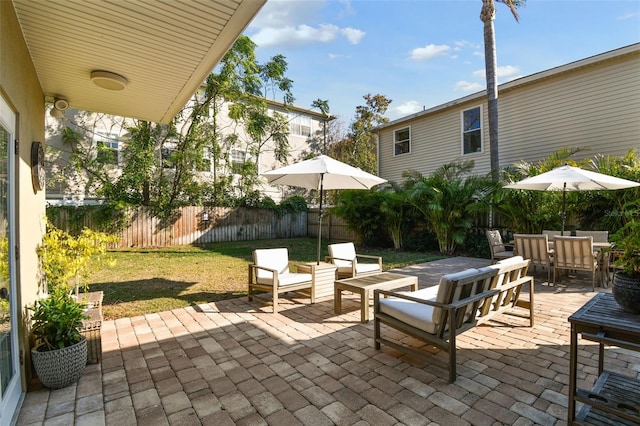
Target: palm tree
(487, 15)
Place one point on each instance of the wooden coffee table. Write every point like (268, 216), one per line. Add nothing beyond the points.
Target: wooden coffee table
(364, 285)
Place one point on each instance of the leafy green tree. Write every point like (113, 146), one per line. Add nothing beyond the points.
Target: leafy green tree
(358, 148)
(448, 199)
(487, 16)
(162, 164)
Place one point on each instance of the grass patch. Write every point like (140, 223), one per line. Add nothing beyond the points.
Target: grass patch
(154, 280)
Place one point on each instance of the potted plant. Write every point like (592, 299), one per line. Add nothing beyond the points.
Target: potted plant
(60, 354)
(626, 281)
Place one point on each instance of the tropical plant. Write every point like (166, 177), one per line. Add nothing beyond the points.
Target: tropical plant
(487, 16)
(627, 241)
(398, 213)
(605, 210)
(56, 321)
(361, 212)
(64, 256)
(448, 199)
(529, 211)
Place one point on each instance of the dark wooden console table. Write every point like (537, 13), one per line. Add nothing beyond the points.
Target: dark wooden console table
(615, 398)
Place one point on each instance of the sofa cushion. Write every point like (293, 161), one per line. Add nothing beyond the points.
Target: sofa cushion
(413, 313)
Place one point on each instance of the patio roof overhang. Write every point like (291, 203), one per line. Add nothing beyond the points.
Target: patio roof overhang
(160, 51)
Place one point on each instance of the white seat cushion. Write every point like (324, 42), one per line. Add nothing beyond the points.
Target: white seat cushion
(361, 268)
(415, 314)
(293, 278)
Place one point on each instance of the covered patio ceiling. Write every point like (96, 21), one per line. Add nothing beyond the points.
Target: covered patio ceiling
(157, 52)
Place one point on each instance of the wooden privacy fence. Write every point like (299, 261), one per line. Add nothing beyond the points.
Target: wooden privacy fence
(333, 227)
(199, 225)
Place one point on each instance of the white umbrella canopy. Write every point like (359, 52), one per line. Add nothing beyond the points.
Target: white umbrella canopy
(325, 171)
(568, 178)
(322, 172)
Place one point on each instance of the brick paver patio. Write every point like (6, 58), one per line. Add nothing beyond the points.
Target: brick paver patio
(235, 362)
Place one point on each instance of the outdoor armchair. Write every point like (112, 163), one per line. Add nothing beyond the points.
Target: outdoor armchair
(498, 249)
(270, 273)
(344, 256)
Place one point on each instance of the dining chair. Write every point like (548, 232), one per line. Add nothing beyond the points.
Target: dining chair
(536, 248)
(598, 236)
(576, 254)
(498, 249)
(551, 234)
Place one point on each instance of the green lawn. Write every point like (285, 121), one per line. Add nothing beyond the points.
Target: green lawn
(154, 280)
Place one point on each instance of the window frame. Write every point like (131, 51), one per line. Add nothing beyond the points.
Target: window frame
(299, 122)
(396, 141)
(465, 132)
(109, 140)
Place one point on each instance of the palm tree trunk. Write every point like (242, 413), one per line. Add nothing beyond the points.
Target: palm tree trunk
(487, 16)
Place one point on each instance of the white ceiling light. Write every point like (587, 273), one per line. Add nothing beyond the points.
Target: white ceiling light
(108, 80)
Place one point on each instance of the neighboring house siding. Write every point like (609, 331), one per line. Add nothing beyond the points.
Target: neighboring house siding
(593, 103)
(58, 155)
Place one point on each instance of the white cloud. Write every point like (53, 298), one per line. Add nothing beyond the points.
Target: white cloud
(408, 108)
(507, 72)
(289, 24)
(353, 35)
(628, 16)
(430, 51)
(338, 56)
(468, 87)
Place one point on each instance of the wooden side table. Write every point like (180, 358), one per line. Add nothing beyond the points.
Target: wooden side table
(324, 276)
(615, 398)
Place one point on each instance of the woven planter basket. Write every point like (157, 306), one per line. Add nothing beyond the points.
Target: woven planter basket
(61, 367)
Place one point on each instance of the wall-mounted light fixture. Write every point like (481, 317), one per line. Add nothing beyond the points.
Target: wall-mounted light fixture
(59, 107)
(108, 80)
(205, 217)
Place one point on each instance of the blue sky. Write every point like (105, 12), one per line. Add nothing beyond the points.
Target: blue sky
(423, 53)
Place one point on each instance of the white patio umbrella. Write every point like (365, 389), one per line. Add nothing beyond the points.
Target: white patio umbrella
(322, 172)
(566, 178)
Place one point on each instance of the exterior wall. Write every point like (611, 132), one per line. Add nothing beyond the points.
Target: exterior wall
(595, 106)
(20, 87)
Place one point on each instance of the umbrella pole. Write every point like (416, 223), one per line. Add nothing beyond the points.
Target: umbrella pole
(564, 206)
(320, 219)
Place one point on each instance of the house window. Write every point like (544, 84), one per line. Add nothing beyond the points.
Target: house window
(402, 141)
(300, 124)
(472, 131)
(237, 157)
(107, 146)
